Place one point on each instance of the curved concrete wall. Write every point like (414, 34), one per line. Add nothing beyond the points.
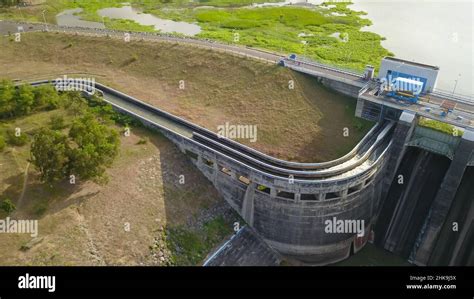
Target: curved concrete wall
(291, 217)
(290, 214)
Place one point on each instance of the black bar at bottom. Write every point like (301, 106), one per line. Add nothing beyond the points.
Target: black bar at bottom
(289, 282)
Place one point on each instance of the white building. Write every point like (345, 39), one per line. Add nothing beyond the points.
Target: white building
(391, 68)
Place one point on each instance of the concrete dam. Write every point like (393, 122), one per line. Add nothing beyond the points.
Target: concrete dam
(407, 184)
(425, 211)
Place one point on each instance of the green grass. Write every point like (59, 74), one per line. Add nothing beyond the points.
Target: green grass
(439, 126)
(190, 247)
(278, 29)
(127, 25)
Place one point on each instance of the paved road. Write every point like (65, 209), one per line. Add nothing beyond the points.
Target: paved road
(430, 109)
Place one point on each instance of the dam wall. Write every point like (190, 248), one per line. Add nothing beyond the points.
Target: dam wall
(346, 88)
(291, 217)
(410, 189)
(409, 192)
(290, 214)
(427, 212)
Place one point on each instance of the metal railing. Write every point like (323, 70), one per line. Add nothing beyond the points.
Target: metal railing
(452, 96)
(309, 61)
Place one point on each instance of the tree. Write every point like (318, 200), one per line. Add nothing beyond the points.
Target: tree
(46, 96)
(89, 148)
(7, 103)
(9, 2)
(49, 153)
(57, 122)
(75, 103)
(24, 99)
(95, 147)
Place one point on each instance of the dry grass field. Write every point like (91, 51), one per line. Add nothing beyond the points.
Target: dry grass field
(301, 124)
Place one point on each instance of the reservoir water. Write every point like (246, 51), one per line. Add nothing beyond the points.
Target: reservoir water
(167, 26)
(436, 32)
(70, 18)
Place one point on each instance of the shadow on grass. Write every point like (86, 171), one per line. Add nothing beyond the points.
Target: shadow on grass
(41, 199)
(190, 233)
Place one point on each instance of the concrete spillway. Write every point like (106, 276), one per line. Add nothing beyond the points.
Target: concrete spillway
(428, 191)
(409, 199)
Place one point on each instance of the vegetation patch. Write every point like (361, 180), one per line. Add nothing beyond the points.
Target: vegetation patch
(84, 151)
(190, 246)
(127, 25)
(7, 206)
(440, 126)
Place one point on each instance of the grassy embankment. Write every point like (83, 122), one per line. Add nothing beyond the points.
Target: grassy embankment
(315, 32)
(303, 124)
(141, 216)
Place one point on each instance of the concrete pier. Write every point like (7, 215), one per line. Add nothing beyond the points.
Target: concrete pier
(444, 198)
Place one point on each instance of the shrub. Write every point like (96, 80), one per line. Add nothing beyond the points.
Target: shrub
(40, 208)
(46, 97)
(7, 206)
(24, 99)
(439, 126)
(57, 122)
(16, 139)
(142, 141)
